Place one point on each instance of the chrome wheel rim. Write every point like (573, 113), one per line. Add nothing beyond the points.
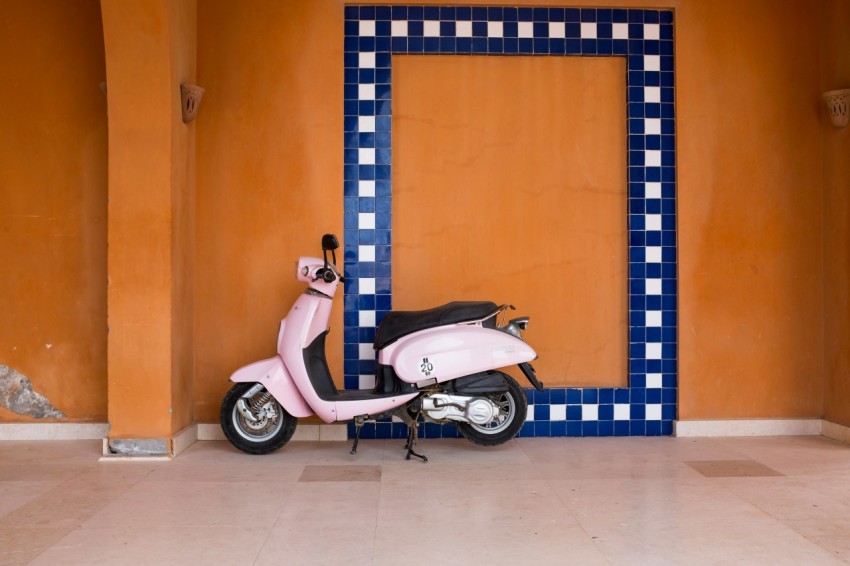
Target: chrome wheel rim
(269, 420)
(507, 412)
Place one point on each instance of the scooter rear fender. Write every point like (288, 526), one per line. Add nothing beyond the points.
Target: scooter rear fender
(277, 381)
(452, 351)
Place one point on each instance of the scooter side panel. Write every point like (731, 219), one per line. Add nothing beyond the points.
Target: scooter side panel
(274, 377)
(449, 352)
(298, 323)
(308, 315)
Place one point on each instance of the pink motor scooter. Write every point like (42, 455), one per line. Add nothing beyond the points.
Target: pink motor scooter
(440, 364)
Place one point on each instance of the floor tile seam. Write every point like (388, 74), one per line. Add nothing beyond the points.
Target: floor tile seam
(597, 544)
(278, 519)
(823, 548)
(778, 522)
(67, 532)
(828, 514)
(266, 540)
(100, 506)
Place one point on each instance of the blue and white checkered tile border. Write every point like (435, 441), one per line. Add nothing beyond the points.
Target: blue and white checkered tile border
(373, 34)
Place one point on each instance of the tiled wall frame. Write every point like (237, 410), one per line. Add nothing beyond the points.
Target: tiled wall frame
(373, 35)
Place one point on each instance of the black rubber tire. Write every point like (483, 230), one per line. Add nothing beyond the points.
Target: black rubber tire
(254, 441)
(515, 407)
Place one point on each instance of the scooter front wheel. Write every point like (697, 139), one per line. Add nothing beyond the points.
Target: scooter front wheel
(256, 424)
(513, 406)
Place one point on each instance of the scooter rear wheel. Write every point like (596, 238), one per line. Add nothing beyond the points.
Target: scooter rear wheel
(271, 429)
(513, 406)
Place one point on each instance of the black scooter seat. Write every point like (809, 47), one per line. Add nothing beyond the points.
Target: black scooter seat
(397, 324)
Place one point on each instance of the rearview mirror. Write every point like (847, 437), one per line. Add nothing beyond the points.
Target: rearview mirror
(329, 242)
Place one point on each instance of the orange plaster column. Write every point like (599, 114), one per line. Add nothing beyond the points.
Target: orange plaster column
(151, 172)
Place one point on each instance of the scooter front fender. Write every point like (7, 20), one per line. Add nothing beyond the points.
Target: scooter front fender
(277, 381)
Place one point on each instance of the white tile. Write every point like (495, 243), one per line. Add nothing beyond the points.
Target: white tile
(557, 412)
(557, 30)
(653, 254)
(366, 91)
(653, 158)
(366, 156)
(653, 412)
(399, 28)
(653, 222)
(652, 126)
(495, 29)
(525, 29)
(653, 351)
(620, 31)
(367, 60)
(529, 414)
(588, 30)
(653, 190)
(366, 188)
(367, 27)
(651, 31)
(653, 286)
(653, 319)
(622, 412)
(431, 28)
(652, 94)
(366, 352)
(366, 221)
(366, 124)
(590, 412)
(653, 381)
(366, 253)
(366, 318)
(365, 381)
(651, 63)
(463, 29)
(367, 286)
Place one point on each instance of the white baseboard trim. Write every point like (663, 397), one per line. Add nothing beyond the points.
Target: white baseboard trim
(744, 427)
(184, 439)
(304, 432)
(339, 432)
(53, 431)
(835, 431)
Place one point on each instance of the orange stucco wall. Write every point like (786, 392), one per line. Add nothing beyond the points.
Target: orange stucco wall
(53, 203)
(517, 198)
(749, 209)
(149, 51)
(750, 180)
(269, 176)
(206, 219)
(835, 74)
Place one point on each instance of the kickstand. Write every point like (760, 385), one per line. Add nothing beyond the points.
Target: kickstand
(358, 424)
(412, 429)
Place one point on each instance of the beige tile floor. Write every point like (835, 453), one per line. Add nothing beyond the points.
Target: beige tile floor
(529, 502)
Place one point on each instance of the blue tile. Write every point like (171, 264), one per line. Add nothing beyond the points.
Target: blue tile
(590, 428)
(638, 174)
(541, 14)
(542, 429)
(558, 428)
(558, 396)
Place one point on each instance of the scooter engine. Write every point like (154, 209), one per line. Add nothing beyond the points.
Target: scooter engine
(442, 406)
